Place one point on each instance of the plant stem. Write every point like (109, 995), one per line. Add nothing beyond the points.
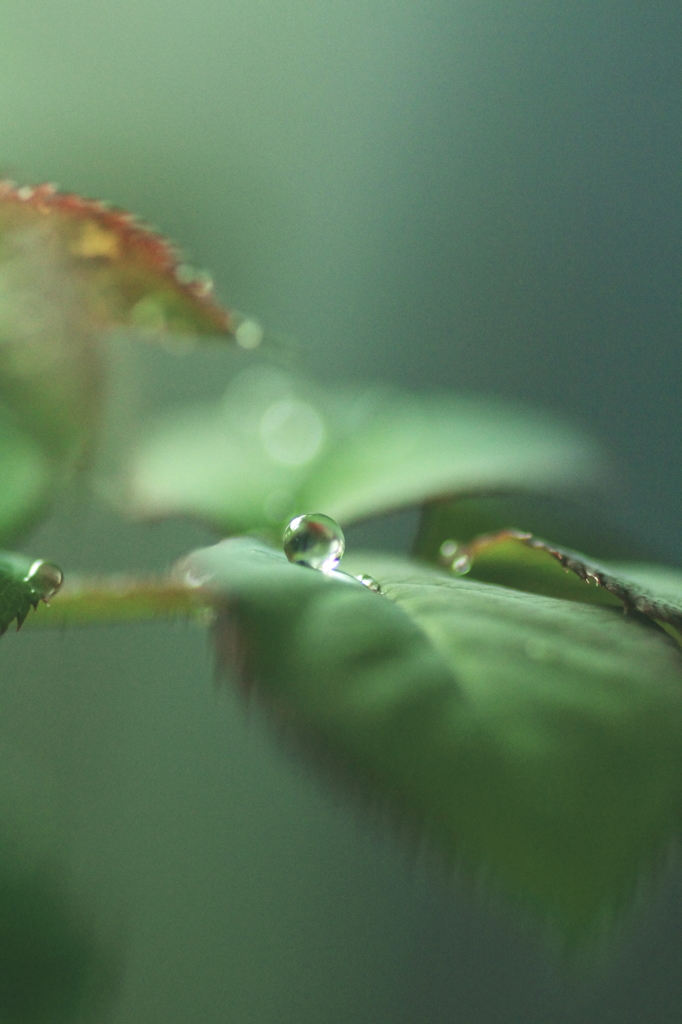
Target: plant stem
(121, 599)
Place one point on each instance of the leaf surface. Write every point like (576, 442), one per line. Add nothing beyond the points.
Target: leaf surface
(69, 269)
(538, 742)
(280, 447)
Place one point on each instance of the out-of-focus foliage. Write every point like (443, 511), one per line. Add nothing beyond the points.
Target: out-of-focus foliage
(279, 446)
(69, 269)
(52, 967)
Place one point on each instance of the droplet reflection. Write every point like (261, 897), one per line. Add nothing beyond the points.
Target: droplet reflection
(314, 540)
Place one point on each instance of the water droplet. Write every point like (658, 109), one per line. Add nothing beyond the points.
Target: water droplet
(45, 579)
(200, 281)
(461, 564)
(455, 556)
(369, 582)
(448, 550)
(249, 334)
(314, 540)
(192, 578)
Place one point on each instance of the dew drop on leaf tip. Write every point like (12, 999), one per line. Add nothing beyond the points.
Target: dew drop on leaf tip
(45, 579)
(314, 540)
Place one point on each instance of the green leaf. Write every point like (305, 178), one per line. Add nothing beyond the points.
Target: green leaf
(278, 447)
(24, 582)
(520, 560)
(538, 742)
(69, 269)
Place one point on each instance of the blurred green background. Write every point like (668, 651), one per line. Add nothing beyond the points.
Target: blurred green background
(481, 196)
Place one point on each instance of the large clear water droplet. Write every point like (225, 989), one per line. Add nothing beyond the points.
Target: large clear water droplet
(314, 540)
(45, 579)
(369, 582)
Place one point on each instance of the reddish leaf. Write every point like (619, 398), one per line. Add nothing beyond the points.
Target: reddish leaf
(69, 269)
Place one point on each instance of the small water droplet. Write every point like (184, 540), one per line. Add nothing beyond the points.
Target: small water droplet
(369, 582)
(448, 550)
(461, 564)
(314, 540)
(249, 334)
(45, 579)
(455, 556)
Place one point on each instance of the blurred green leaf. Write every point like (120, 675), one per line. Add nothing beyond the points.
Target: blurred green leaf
(537, 741)
(278, 447)
(27, 477)
(55, 967)
(69, 269)
(52, 969)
